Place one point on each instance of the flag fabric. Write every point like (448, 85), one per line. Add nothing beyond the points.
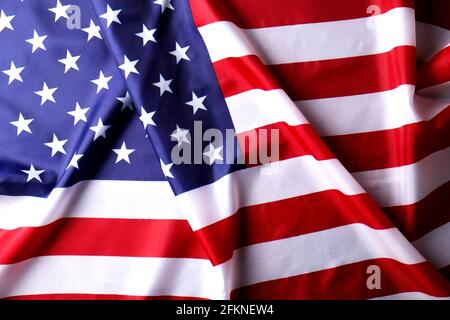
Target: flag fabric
(128, 168)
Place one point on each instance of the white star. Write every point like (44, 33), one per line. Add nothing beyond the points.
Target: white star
(60, 11)
(46, 94)
(37, 41)
(128, 66)
(111, 16)
(146, 35)
(123, 153)
(92, 31)
(33, 173)
(196, 103)
(99, 129)
(22, 124)
(166, 169)
(14, 73)
(164, 4)
(5, 21)
(213, 154)
(56, 145)
(101, 82)
(180, 135)
(70, 61)
(126, 101)
(79, 114)
(74, 161)
(163, 85)
(180, 53)
(147, 118)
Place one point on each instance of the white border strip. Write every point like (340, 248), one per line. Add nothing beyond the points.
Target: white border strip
(369, 112)
(407, 184)
(439, 91)
(112, 275)
(435, 246)
(430, 40)
(257, 108)
(410, 296)
(92, 199)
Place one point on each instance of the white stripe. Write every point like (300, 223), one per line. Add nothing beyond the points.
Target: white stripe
(312, 41)
(91, 199)
(410, 296)
(294, 177)
(435, 246)
(198, 278)
(407, 184)
(257, 108)
(112, 275)
(369, 112)
(317, 251)
(430, 40)
(439, 91)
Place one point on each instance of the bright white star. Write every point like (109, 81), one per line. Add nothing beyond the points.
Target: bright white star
(101, 82)
(126, 101)
(70, 62)
(33, 173)
(14, 73)
(163, 85)
(123, 153)
(111, 16)
(180, 53)
(22, 124)
(146, 35)
(166, 169)
(60, 11)
(56, 145)
(92, 31)
(128, 66)
(74, 161)
(196, 103)
(79, 114)
(46, 94)
(37, 42)
(99, 129)
(164, 4)
(5, 21)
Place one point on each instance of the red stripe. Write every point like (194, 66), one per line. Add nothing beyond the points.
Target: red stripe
(293, 141)
(237, 75)
(288, 218)
(320, 79)
(350, 282)
(263, 13)
(392, 148)
(435, 71)
(434, 12)
(84, 296)
(416, 220)
(101, 237)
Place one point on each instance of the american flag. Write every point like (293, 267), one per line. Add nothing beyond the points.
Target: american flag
(95, 96)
